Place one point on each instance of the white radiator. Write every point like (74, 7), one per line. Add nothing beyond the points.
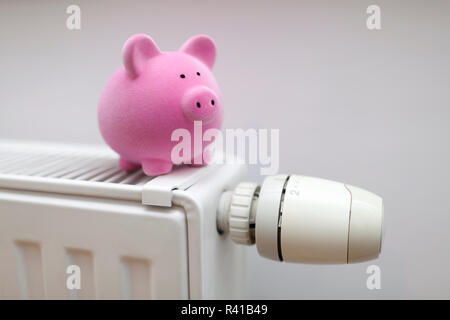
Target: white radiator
(133, 236)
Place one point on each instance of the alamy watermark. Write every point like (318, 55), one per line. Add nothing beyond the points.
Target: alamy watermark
(374, 279)
(373, 21)
(73, 281)
(250, 146)
(73, 21)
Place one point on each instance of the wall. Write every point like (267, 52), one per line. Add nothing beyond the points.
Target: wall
(370, 108)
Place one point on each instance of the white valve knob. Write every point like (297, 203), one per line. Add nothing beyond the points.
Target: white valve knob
(240, 213)
(303, 219)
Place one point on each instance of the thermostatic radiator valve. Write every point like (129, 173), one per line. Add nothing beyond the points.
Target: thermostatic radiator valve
(304, 220)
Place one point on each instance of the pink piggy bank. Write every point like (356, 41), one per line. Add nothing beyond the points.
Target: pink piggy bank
(155, 93)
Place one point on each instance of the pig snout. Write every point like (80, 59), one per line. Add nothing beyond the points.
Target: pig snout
(200, 104)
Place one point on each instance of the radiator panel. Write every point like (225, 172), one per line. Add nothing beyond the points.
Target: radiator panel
(124, 251)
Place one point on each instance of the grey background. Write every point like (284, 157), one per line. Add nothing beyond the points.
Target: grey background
(370, 108)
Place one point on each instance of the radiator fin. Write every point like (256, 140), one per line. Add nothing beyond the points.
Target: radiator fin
(29, 270)
(84, 260)
(134, 278)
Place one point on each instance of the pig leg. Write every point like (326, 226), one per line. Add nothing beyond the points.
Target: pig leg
(128, 166)
(156, 167)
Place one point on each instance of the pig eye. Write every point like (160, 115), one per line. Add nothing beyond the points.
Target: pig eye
(198, 73)
(182, 76)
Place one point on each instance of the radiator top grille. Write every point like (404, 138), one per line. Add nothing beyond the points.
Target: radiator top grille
(96, 164)
(87, 171)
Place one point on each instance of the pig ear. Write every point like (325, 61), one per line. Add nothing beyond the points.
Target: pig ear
(137, 50)
(201, 47)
